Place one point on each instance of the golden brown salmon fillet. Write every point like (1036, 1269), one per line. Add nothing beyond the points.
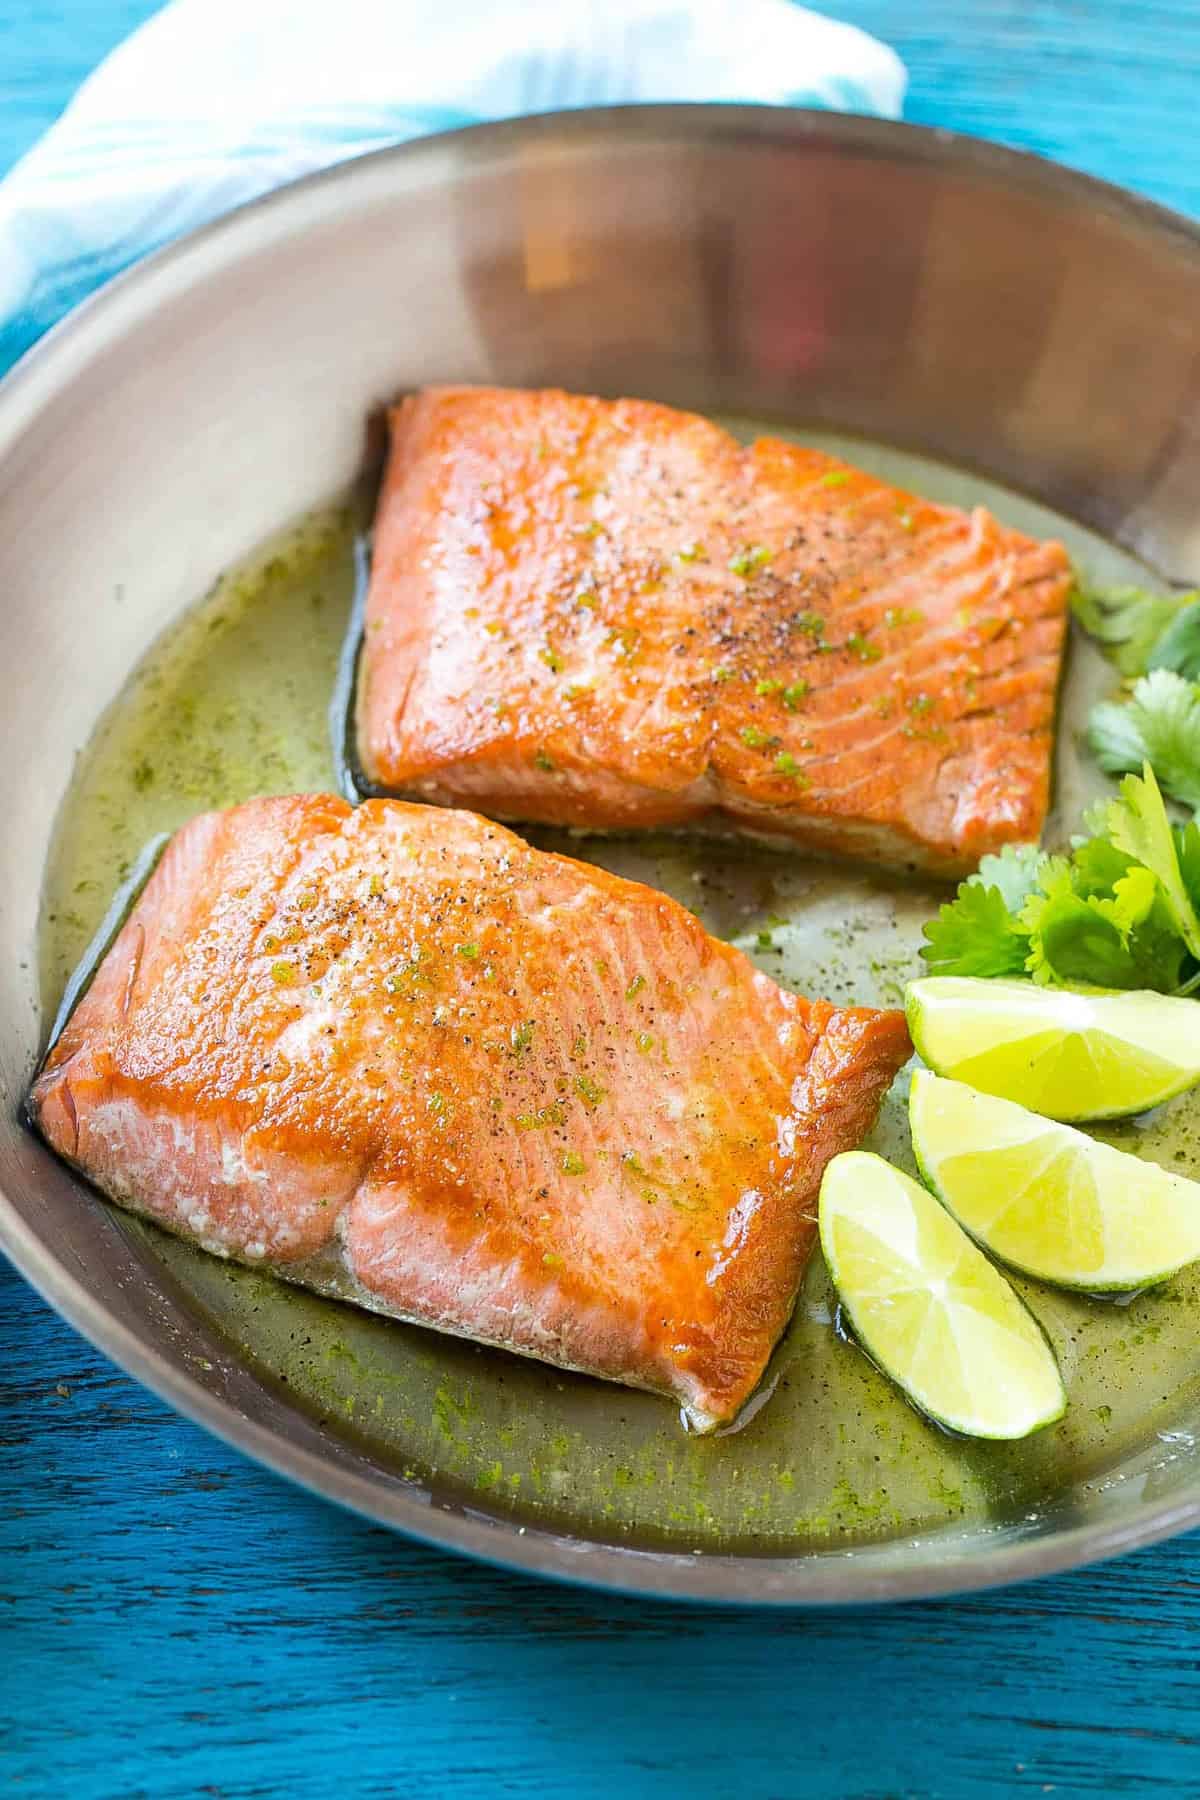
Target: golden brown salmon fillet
(611, 615)
(493, 1091)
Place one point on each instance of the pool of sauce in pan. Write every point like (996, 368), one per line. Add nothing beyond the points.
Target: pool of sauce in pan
(232, 702)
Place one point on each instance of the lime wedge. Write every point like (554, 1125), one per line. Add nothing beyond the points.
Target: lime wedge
(929, 1308)
(1068, 1055)
(1050, 1200)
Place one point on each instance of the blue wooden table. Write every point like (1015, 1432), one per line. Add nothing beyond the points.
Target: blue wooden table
(174, 1621)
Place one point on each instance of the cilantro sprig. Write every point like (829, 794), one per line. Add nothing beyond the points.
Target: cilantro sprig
(1132, 624)
(1160, 725)
(1121, 911)
(1154, 640)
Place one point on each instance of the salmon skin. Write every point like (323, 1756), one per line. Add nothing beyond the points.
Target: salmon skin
(612, 616)
(395, 1052)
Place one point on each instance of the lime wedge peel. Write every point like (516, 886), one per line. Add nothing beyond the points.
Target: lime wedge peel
(1048, 1199)
(928, 1307)
(1072, 1056)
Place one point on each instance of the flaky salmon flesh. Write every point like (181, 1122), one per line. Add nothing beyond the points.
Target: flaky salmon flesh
(613, 616)
(501, 1093)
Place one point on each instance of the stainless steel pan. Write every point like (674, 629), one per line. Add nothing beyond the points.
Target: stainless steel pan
(922, 289)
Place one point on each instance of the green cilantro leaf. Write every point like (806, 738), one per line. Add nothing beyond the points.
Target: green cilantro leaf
(1187, 850)
(1014, 872)
(1156, 950)
(1137, 824)
(1097, 865)
(1086, 940)
(1128, 621)
(1133, 901)
(1187, 853)
(1159, 953)
(1075, 946)
(1159, 726)
(975, 934)
(1179, 646)
(1121, 910)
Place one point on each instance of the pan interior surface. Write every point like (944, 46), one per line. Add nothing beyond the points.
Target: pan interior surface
(1027, 331)
(231, 703)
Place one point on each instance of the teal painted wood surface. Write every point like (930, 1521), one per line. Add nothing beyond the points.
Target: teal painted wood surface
(174, 1621)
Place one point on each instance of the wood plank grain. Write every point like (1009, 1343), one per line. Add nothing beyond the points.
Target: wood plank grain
(215, 1630)
(1104, 86)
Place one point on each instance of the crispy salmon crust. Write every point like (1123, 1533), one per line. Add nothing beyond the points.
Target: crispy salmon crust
(613, 616)
(511, 1096)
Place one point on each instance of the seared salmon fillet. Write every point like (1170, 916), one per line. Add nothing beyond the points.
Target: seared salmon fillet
(612, 615)
(502, 1093)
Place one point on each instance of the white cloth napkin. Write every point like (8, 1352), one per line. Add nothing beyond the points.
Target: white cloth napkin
(214, 101)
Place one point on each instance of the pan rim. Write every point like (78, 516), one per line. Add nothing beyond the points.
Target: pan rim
(816, 1578)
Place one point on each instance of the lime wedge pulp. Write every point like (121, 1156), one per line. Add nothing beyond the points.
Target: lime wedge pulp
(928, 1307)
(1048, 1199)
(1069, 1055)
